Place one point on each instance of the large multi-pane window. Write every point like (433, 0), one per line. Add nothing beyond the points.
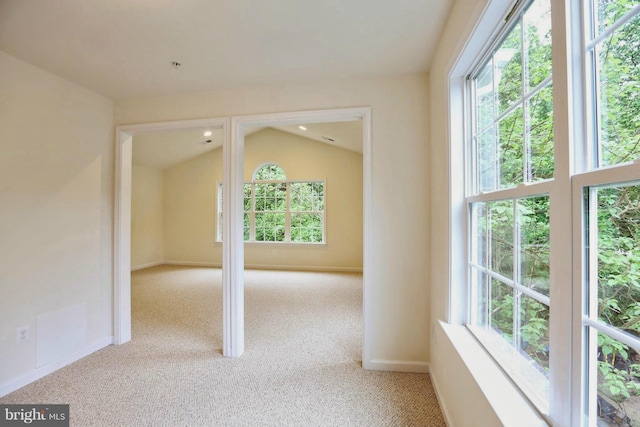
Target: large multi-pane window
(512, 194)
(277, 210)
(610, 214)
(511, 158)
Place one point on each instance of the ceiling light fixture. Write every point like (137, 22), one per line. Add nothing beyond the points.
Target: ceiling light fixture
(208, 133)
(302, 128)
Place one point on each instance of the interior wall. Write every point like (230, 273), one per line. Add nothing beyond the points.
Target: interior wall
(147, 217)
(460, 394)
(190, 210)
(399, 232)
(191, 204)
(56, 216)
(304, 159)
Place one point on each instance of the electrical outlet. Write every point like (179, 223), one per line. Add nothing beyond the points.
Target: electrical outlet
(22, 334)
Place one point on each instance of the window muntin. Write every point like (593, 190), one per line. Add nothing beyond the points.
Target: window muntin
(613, 54)
(269, 172)
(608, 133)
(269, 211)
(513, 101)
(510, 271)
(611, 214)
(511, 145)
(277, 210)
(612, 314)
(307, 205)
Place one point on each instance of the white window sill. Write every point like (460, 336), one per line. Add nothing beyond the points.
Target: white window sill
(507, 401)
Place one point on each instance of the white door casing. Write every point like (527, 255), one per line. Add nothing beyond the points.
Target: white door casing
(233, 244)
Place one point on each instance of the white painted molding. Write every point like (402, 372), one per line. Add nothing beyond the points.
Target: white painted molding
(233, 243)
(122, 216)
(149, 265)
(443, 405)
(49, 368)
(194, 264)
(319, 269)
(233, 249)
(320, 116)
(122, 239)
(398, 366)
(367, 244)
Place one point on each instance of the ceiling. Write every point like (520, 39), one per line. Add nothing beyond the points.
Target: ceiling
(161, 150)
(125, 48)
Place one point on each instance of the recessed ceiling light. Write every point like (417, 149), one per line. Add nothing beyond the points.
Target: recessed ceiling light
(302, 128)
(208, 133)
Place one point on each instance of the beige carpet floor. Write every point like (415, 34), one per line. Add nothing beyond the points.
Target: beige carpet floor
(301, 366)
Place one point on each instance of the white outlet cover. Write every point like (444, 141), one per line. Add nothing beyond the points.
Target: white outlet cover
(22, 334)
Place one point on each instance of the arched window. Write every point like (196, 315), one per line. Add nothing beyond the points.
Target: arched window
(269, 172)
(277, 210)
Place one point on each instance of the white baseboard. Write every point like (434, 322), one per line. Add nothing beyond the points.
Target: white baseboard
(304, 268)
(193, 264)
(441, 402)
(151, 264)
(45, 370)
(273, 267)
(396, 366)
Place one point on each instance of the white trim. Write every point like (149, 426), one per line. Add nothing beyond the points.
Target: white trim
(399, 366)
(520, 192)
(509, 404)
(194, 264)
(36, 374)
(310, 268)
(585, 329)
(268, 163)
(233, 241)
(443, 404)
(148, 265)
(122, 239)
(233, 249)
(320, 116)
(122, 216)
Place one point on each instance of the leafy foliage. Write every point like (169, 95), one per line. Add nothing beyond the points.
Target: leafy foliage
(270, 197)
(514, 145)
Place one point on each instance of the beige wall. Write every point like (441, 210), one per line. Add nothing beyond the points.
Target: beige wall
(191, 204)
(147, 217)
(56, 204)
(399, 230)
(465, 401)
(190, 210)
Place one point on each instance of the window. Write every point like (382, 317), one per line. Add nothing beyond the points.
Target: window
(277, 210)
(511, 160)
(610, 215)
(517, 186)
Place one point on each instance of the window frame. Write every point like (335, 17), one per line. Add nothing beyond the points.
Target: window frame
(474, 194)
(575, 88)
(287, 213)
(592, 174)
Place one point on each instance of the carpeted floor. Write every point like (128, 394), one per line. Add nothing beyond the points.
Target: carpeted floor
(301, 366)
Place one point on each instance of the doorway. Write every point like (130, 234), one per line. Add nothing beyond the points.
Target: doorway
(234, 129)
